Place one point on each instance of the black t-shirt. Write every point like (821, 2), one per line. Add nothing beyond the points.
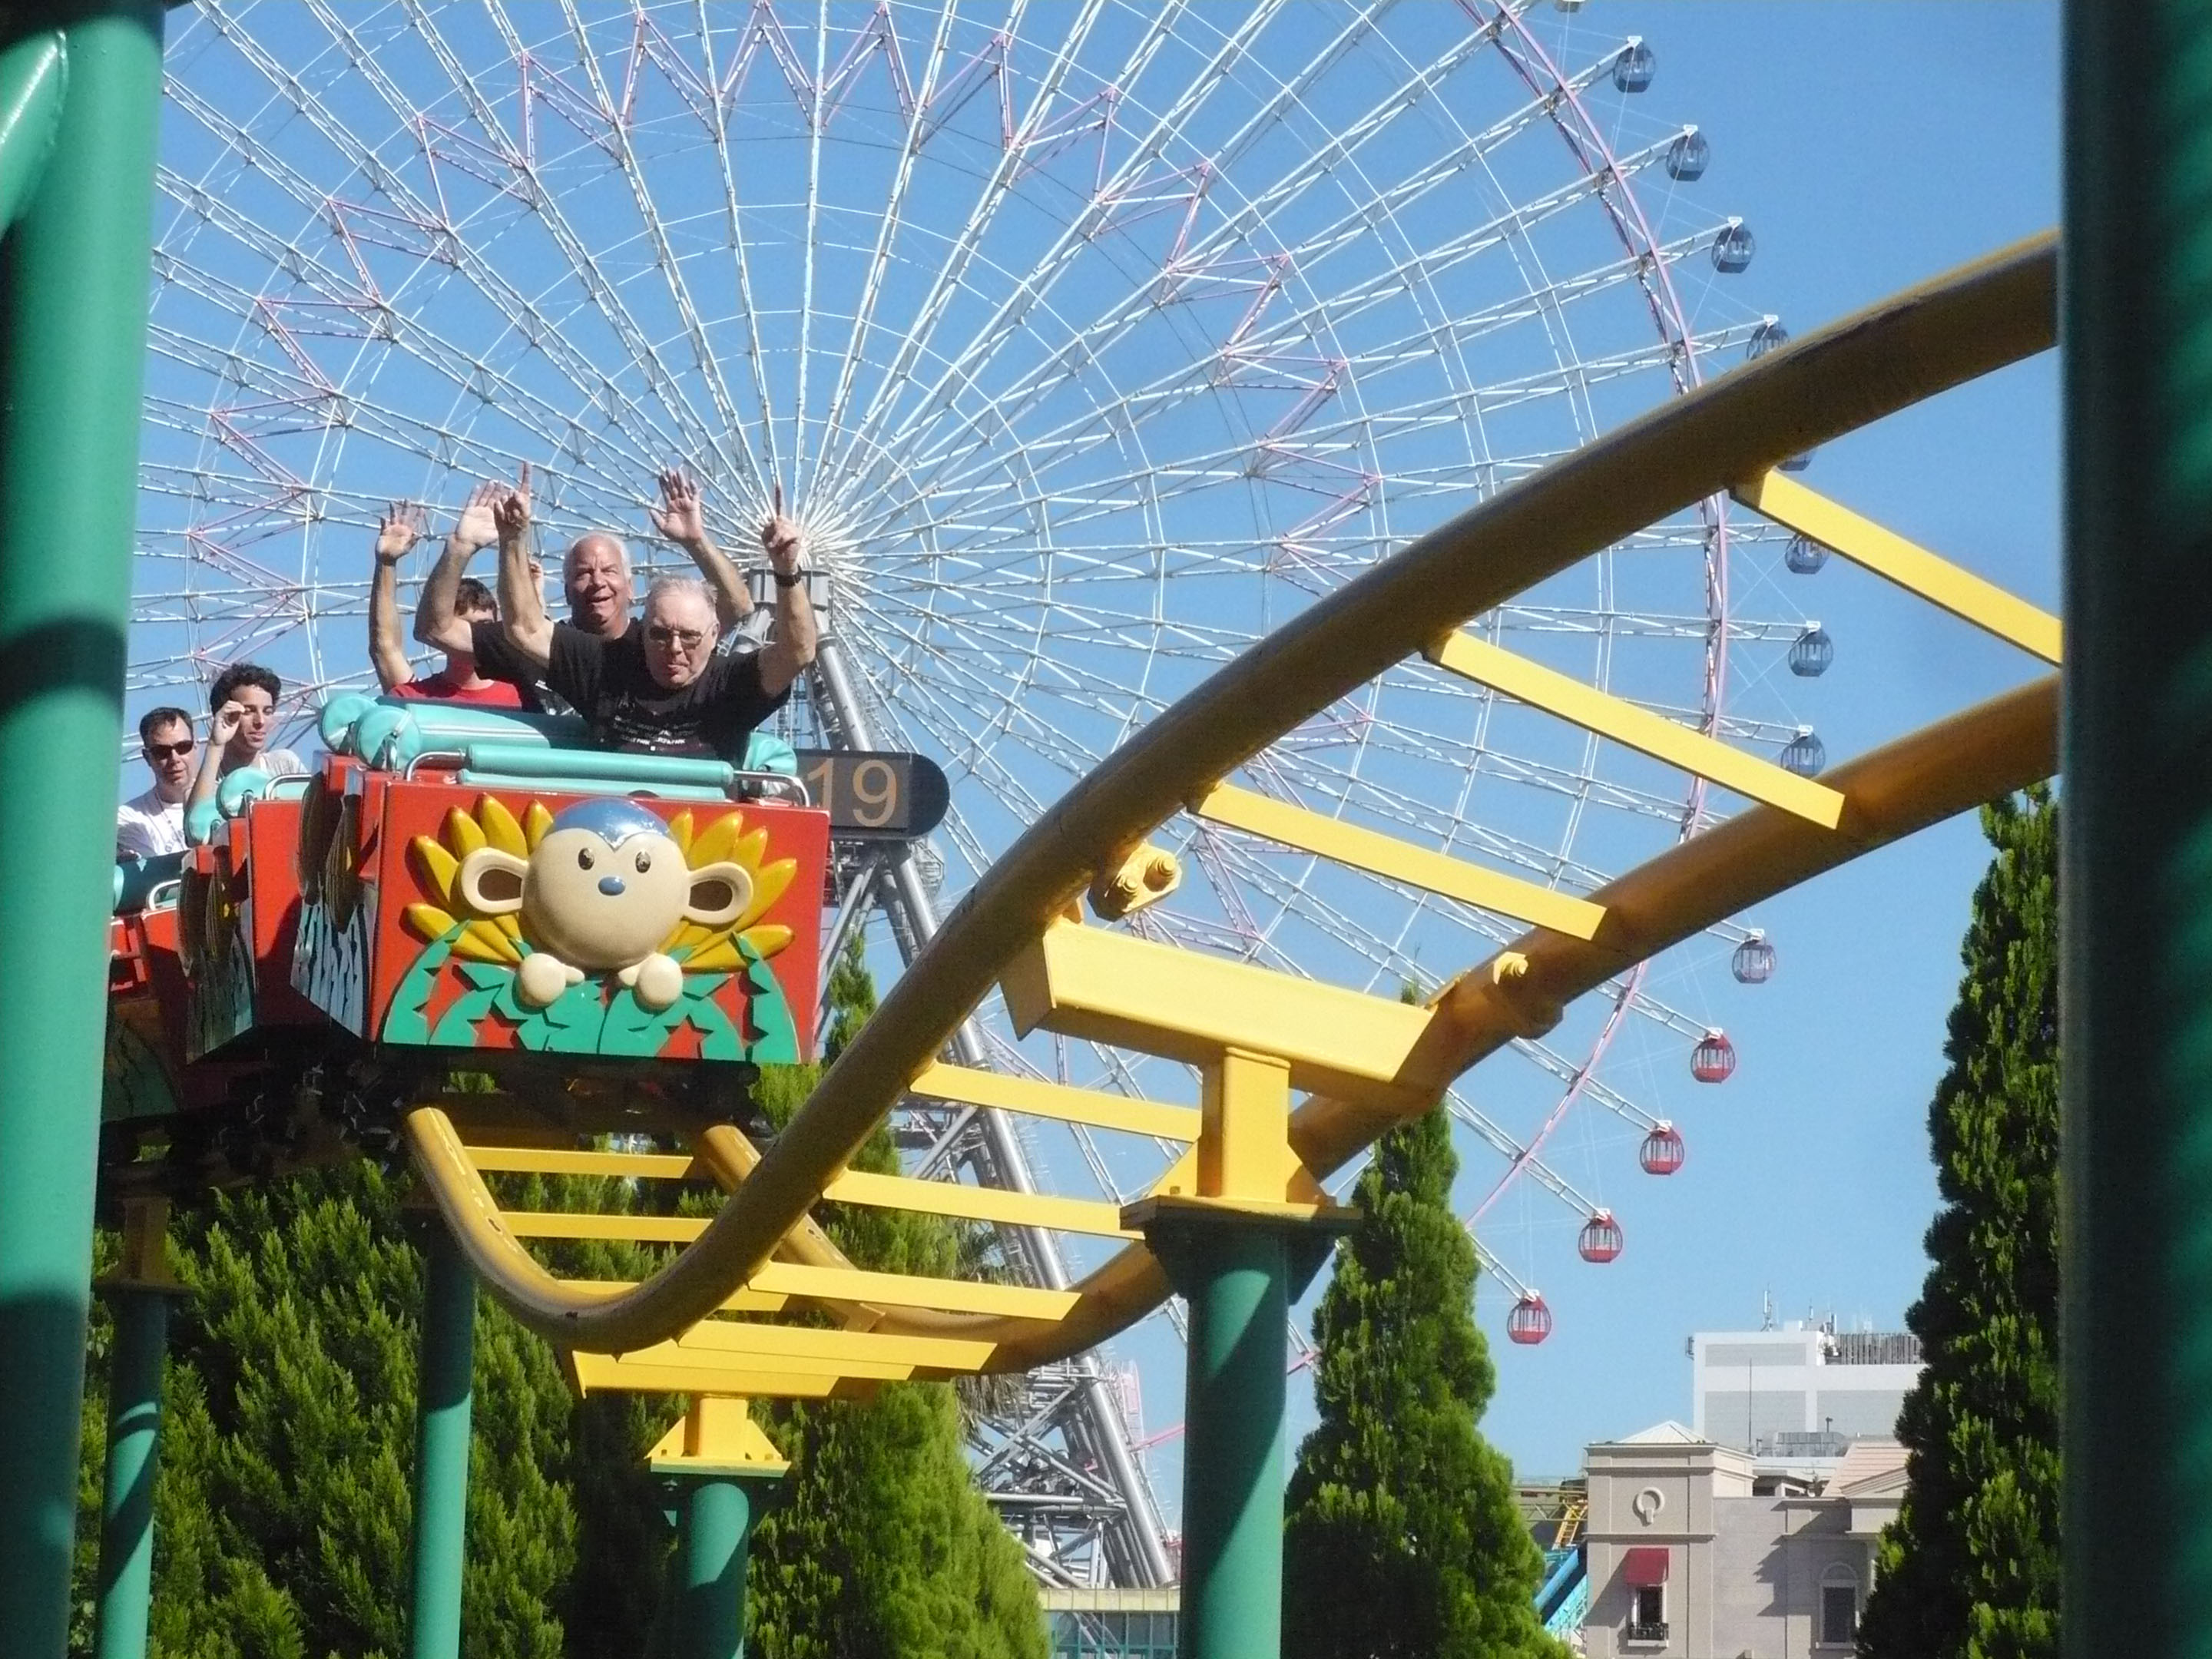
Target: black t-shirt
(624, 707)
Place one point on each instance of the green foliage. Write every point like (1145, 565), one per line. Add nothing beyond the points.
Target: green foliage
(282, 1502)
(1402, 1539)
(1969, 1570)
(883, 1548)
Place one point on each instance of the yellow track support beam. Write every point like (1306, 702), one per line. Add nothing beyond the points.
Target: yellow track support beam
(1911, 567)
(666, 1369)
(1396, 860)
(1184, 1005)
(1817, 388)
(973, 1087)
(779, 1284)
(884, 1192)
(1637, 728)
(799, 1347)
(628, 1166)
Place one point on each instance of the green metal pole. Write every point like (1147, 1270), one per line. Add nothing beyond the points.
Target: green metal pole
(1236, 1279)
(441, 1447)
(713, 1540)
(2136, 994)
(75, 271)
(126, 1510)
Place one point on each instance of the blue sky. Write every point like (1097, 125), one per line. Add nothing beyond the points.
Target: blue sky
(1869, 146)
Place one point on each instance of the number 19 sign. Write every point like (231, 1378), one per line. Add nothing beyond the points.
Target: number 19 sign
(875, 796)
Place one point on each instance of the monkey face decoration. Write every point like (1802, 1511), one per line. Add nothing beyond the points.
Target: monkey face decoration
(601, 893)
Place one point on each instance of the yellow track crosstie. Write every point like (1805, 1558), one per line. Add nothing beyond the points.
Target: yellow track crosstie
(1364, 1061)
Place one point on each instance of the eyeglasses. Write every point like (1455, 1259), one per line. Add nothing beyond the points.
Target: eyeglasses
(164, 751)
(688, 638)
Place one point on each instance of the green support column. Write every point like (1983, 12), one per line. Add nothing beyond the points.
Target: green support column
(719, 1475)
(2136, 992)
(139, 1296)
(441, 1447)
(75, 272)
(1239, 1272)
(126, 1510)
(714, 1542)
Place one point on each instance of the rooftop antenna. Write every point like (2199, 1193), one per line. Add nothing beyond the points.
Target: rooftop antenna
(1766, 1309)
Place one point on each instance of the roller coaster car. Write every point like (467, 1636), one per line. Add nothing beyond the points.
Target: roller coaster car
(462, 883)
(452, 878)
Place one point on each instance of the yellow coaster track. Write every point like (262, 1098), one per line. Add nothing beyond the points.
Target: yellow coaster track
(1362, 1063)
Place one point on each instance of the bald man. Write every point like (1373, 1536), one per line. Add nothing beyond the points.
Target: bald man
(595, 573)
(659, 689)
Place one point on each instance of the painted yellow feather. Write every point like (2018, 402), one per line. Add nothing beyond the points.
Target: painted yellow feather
(768, 940)
(537, 823)
(426, 921)
(434, 867)
(486, 943)
(769, 886)
(717, 957)
(461, 834)
(679, 831)
(716, 839)
(499, 828)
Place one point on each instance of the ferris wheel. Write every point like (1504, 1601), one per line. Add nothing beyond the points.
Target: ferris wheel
(1088, 342)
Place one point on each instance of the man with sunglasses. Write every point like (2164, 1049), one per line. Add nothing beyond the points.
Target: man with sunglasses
(659, 689)
(149, 825)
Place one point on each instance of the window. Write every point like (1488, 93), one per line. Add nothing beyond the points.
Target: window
(1647, 1613)
(1839, 1608)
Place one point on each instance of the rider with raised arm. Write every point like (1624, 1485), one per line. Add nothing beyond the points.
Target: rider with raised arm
(459, 680)
(244, 699)
(659, 689)
(595, 572)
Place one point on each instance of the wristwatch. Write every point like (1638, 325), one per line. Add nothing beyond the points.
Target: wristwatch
(790, 580)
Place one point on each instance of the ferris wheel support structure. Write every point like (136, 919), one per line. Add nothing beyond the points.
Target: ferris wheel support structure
(1085, 1413)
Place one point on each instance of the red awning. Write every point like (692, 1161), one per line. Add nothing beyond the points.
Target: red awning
(1644, 1564)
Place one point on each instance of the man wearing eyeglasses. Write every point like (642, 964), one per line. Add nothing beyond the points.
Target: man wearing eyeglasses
(149, 825)
(659, 689)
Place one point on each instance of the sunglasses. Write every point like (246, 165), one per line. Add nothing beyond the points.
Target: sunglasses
(163, 751)
(688, 638)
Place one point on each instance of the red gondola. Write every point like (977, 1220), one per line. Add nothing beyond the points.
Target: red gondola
(1601, 1238)
(1713, 1059)
(1530, 1321)
(1662, 1152)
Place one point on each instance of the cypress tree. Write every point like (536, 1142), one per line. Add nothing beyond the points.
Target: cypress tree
(1969, 1570)
(1402, 1539)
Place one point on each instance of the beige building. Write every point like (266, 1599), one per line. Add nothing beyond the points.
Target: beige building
(1699, 1551)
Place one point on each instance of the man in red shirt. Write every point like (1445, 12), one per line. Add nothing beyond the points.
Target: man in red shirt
(458, 681)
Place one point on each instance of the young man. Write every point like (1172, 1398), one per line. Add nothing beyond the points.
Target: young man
(659, 689)
(244, 699)
(149, 825)
(459, 680)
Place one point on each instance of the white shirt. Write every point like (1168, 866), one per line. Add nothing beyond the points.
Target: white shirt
(148, 826)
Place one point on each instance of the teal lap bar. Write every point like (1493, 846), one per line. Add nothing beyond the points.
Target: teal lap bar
(441, 1447)
(1239, 1275)
(75, 272)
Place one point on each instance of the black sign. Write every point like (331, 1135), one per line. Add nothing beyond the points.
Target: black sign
(875, 796)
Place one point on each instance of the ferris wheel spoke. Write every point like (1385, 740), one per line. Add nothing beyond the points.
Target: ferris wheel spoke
(934, 304)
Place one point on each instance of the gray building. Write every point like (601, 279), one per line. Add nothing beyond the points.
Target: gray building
(1700, 1551)
(1799, 1393)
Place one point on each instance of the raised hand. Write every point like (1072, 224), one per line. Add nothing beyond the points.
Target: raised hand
(512, 512)
(680, 520)
(779, 537)
(228, 720)
(477, 527)
(397, 532)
